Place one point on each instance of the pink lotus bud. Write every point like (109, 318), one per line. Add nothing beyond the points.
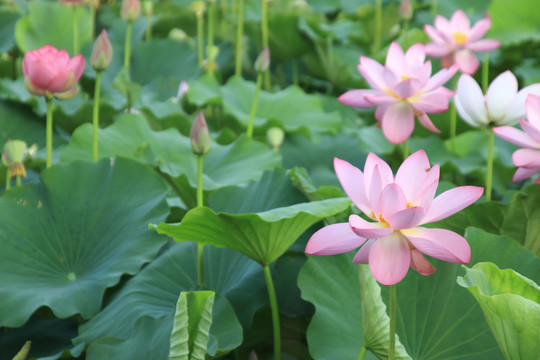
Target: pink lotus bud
(199, 136)
(263, 61)
(102, 53)
(51, 72)
(406, 10)
(131, 10)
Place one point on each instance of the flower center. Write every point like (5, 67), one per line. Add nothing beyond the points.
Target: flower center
(460, 38)
(405, 77)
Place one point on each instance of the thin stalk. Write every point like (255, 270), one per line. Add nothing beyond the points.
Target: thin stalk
(49, 127)
(75, 30)
(485, 72)
(148, 32)
(405, 31)
(392, 311)
(239, 38)
(405, 149)
(18, 180)
(489, 172)
(127, 45)
(275, 312)
(8, 178)
(95, 117)
(210, 44)
(453, 118)
(92, 22)
(362, 353)
(434, 7)
(200, 37)
(377, 28)
(249, 131)
(264, 32)
(200, 248)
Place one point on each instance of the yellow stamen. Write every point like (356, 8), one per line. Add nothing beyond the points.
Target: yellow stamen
(17, 168)
(405, 77)
(460, 38)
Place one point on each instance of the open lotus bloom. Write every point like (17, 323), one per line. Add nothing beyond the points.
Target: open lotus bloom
(394, 240)
(456, 42)
(51, 72)
(502, 104)
(402, 89)
(528, 159)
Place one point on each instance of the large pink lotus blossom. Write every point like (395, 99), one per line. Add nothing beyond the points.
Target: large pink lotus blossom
(456, 42)
(528, 159)
(51, 72)
(402, 89)
(502, 104)
(398, 206)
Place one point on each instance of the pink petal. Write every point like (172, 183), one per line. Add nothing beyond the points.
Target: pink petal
(407, 88)
(398, 122)
(452, 201)
(356, 98)
(485, 45)
(460, 22)
(411, 174)
(440, 78)
(500, 94)
(362, 256)
(515, 136)
(434, 35)
(392, 200)
(368, 230)
(533, 132)
(380, 99)
(523, 173)
(467, 61)
(425, 198)
(437, 50)
(389, 259)
(379, 113)
(372, 72)
(352, 181)
(533, 107)
(425, 121)
(415, 55)
(385, 173)
(433, 102)
(471, 100)
(441, 244)
(421, 264)
(408, 218)
(395, 58)
(526, 158)
(76, 65)
(374, 193)
(479, 29)
(443, 25)
(333, 239)
(518, 107)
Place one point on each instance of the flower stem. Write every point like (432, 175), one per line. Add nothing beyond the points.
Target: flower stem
(275, 312)
(485, 72)
(49, 127)
(264, 32)
(210, 44)
(92, 22)
(405, 32)
(200, 248)
(377, 28)
(392, 311)
(148, 32)
(239, 38)
(95, 117)
(200, 37)
(18, 180)
(489, 171)
(249, 131)
(362, 353)
(405, 149)
(8, 178)
(127, 45)
(434, 7)
(75, 30)
(453, 118)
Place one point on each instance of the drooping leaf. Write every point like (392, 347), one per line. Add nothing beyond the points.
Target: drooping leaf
(511, 305)
(79, 242)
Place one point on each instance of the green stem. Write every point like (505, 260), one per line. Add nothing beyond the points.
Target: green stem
(434, 7)
(148, 33)
(453, 118)
(392, 311)
(18, 180)
(239, 38)
(377, 28)
(200, 248)
(127, 45)
(200, 41)
(8, 179)
(275, 312)
(92, 22)
(405, 31)
(265, 41)
(489, 173)
(405, 149)
(75, 30)
(49, 127)
(249, 131)
(210, 44)
(95, 117)
(362, 353)
(485, 72)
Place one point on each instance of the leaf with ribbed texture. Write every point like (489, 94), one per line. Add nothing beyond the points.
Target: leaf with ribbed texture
(511, 305)
(61, 247)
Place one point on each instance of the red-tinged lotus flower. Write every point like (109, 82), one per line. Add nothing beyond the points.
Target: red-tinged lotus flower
(398, 206)
(102, 52)
(402, 89)
(456, 42)
(528, 159)
(51, 72)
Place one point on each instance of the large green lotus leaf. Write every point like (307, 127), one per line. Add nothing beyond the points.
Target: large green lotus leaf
(17, 122)
(154, 292)
(36, 29)
(130, 136)
(7, 30)
(513, 22)
(511, 304)
(204, 90)
(286, 42)
(62, 247)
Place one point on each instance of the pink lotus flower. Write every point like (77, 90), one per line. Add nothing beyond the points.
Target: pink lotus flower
(402, 89)
(502, 104)
(398, 207)
(51, 72)
(528, 159)
(456, 42)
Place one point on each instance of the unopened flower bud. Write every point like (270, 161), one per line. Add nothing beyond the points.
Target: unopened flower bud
(183, 88)
(148, 7)
(253, 355)
(275, 137)
(263, 61)
(198, 7)
(102, 53)
(200, 136)
(131, 9)
(13, 156)
(406, 10)
(177, 34)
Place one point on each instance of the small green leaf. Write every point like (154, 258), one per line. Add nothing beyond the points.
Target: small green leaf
(511, 305)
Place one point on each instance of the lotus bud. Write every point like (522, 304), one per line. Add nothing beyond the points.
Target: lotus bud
(263, 61)
(198, 7)
(13, 156)
(177, 34)
(199, 136)
(406, 10)
(131, 10)
(102, 53)
(183, 88)
(148, 7)
(275, 137)
(253, 355)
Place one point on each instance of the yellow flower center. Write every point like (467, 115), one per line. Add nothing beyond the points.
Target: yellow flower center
(460, 38)
(405, 77)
